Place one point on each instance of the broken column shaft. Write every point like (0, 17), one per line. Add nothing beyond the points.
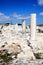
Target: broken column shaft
(33, 26)
(24, 26)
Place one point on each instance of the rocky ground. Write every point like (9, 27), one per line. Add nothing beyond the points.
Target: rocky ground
(28, 62)
(17, 49)
(24, 62)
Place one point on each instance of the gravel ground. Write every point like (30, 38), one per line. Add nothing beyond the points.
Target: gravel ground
(25, 62)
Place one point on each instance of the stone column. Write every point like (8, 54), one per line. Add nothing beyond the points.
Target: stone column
(16, 28)
(24, 26)
(33, 26)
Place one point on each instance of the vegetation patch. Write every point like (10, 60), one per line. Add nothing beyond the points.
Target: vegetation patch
(5, 57)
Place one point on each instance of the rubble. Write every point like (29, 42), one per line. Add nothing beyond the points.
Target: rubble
(20, 45)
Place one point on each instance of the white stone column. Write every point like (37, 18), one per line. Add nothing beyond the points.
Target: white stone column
(16, 28)
(33, 26)
(24, 26)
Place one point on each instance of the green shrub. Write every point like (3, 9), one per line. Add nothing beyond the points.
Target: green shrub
(5, 58)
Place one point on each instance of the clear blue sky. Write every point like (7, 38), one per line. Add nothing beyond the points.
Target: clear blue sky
(23, 8)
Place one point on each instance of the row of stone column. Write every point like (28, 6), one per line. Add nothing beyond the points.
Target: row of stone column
(32, 25)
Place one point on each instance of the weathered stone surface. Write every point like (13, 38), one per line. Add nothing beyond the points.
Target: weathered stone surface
(26, 52)
(34, 62)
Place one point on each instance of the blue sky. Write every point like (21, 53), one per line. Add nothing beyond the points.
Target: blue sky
(20, 8)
